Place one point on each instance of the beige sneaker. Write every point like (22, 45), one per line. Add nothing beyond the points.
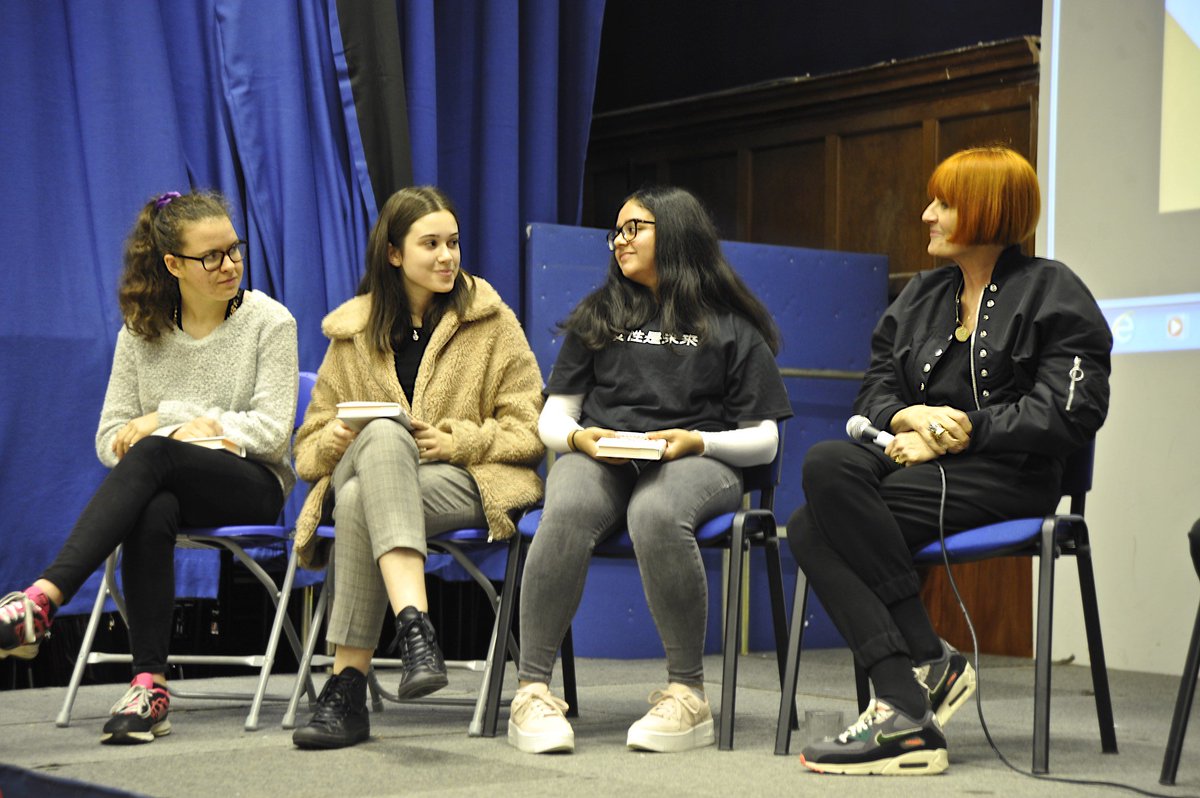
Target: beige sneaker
(678, 721)
(536, 724)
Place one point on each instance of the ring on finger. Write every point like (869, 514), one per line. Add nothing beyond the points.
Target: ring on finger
(936, 429)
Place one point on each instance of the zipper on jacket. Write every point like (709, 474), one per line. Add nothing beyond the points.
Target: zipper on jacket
(974, 385)
(978, 318)
(1075, 375)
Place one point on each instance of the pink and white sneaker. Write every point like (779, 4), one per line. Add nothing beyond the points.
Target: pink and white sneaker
(24, 622)
(140, 715)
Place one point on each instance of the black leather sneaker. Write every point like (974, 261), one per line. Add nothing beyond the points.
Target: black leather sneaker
(341, 718)
(424, 669)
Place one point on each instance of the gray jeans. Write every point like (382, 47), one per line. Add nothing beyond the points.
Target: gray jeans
(385, 499)
(662, 504)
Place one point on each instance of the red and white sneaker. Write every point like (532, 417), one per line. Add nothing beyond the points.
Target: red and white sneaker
(140, 715)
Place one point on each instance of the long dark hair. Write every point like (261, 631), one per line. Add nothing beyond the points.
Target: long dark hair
(695, 282)
(390, 320)
(148, 293)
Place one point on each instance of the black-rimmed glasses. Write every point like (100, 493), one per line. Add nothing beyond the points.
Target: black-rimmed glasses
(627, 231)
(211, 261)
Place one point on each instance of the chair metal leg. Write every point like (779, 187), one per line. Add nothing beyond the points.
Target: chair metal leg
(495, 681)
(791, 671)
(85, 648)
(566, 657)
(1091, 622)
(304, 669)
(778, 601)
(1045, 620)
(1183, 708)
(733, 618)
(280, 598)
(501, 635)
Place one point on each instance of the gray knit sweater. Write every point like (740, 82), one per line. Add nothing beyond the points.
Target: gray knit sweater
(243, 374)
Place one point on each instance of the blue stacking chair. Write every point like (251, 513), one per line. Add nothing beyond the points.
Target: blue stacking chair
(463, 545)
(1046, 538)
(244, 542)
(735, 532)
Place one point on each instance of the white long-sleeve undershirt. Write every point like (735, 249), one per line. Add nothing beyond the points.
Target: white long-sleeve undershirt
(752, 443)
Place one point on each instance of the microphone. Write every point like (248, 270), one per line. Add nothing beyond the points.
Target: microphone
(859, 429)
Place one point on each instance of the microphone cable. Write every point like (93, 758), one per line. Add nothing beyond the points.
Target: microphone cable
(979, 678)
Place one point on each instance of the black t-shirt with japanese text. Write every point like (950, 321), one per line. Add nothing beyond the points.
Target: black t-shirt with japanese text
(651, 379)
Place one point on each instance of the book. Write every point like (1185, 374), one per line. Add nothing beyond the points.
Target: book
(355, 415)
(631, 446)
(219, 442)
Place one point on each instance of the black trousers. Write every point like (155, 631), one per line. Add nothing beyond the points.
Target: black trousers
(866, 516)
(160, 485)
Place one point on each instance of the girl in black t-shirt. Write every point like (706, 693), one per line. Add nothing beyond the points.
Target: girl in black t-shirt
(673, 345)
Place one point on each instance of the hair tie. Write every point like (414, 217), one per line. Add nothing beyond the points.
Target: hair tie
(165, 199)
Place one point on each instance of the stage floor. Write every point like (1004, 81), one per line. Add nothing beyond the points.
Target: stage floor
(425, 750)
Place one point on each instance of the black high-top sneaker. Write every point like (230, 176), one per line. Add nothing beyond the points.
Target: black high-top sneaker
(341, 718)
(424, 669)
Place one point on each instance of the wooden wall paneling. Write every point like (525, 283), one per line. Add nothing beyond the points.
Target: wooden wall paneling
(879, 186)
(833, 179)
(998, 594)
(788, 195)
(1008, 126)
(714, 179)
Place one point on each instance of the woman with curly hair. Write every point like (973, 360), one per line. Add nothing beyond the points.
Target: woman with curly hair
(198, 357)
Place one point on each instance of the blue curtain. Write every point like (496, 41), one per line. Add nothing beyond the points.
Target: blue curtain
(499, 103)
(108, 102)
(105, 104)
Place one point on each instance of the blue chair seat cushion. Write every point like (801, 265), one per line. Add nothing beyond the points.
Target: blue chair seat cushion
(469, 535)
(1016, 536)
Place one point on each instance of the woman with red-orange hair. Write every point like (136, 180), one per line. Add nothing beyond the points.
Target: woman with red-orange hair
(989, 372)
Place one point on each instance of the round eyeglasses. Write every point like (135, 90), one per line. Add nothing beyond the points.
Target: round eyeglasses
(211, 261)
(627, 231)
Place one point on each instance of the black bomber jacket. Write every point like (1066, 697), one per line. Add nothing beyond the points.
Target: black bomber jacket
(1040, 356)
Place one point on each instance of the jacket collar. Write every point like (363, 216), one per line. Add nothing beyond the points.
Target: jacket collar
(350, 318)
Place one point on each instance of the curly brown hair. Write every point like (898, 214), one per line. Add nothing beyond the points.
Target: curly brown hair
(148, 293)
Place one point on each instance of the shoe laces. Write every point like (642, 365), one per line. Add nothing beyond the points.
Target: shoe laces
(17, 609)
(876, 713)
(138, 700)
(334, 699)
(415, 641)
(670, 705)
(537, 705)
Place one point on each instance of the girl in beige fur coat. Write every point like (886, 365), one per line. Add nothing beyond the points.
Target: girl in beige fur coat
(442, 344)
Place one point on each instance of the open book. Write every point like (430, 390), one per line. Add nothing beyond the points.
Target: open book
(219, 442)
(631, 445)
(355, 415)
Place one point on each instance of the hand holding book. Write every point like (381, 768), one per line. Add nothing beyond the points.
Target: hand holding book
(617, 447)
(630, 446)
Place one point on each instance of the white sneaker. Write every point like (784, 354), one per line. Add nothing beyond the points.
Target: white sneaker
(678, 721)
(536, 723)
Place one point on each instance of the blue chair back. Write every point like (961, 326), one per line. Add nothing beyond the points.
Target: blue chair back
(308, 381)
